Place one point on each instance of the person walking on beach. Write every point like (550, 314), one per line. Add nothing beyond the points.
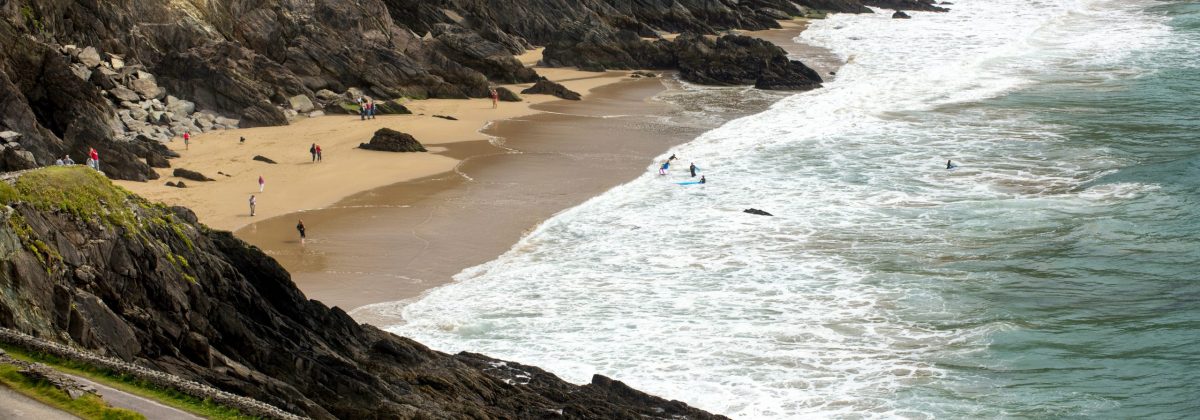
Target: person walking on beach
(312, 150)
(262, 183)
(370, 112)
(362, 109)
(662, 170)
(318, 153)
(93, 159)
(693, 169)
(253, 201)
(187, 137)
(495, 97)
(300, 228)
(241, 140)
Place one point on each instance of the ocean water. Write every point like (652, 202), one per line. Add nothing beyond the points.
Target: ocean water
(1056, 273)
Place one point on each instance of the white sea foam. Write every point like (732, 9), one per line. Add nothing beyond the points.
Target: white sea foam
(834, 306)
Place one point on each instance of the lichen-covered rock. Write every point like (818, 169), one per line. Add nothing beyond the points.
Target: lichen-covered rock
(389, 140)
(202, 305)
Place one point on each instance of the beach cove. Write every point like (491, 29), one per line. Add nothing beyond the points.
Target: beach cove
(386, 227)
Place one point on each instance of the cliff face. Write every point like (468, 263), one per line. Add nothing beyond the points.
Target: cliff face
(88, 264)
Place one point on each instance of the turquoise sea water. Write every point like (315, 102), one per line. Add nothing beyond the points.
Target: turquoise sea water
(1054, 274)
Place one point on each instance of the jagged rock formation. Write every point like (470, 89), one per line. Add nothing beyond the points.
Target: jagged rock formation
(85, 263)
(741, 60)
(389, 140)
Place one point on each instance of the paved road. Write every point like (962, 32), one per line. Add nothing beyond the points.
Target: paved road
(16, 406)
(121, 399)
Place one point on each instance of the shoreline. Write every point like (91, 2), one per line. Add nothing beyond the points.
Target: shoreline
(479, 191)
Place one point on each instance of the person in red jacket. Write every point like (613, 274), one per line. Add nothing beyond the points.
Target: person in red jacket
(187, 137)
(93, 159)
(318, 152)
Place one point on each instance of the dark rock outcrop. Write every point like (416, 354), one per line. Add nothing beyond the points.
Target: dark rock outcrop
(741, 60)
(262, 158)
(546, 87)
(900, 15)
(190, 174)
(142, 283)
(389, 140)
(506, 95)
(446, 117)
(757, 211)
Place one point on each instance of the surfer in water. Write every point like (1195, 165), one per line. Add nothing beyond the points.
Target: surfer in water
(693, 169)
(662, 170)
(672, 157)
(950, 165)
(702, 180)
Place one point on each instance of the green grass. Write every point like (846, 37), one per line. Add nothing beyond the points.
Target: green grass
(87, 406)
(89, 196)
(80, 191)
(170, 397)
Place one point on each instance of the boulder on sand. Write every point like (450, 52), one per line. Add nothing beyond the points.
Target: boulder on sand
(262, 158)
(546, 87)
(506, 95)
(389, 140)
(192, 175)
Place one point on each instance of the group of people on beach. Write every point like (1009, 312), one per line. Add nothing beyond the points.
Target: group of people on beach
(666, 165)
(366, 108)
(93, 160)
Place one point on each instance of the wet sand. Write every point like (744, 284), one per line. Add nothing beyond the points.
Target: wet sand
(392, 244)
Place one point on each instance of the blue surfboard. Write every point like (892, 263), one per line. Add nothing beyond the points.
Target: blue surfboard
(688, 183)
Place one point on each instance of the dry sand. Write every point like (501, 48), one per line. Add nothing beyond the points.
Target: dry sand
(296, 183)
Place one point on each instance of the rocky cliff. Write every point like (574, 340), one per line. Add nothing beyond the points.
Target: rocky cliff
(120, 75)
(85, 263)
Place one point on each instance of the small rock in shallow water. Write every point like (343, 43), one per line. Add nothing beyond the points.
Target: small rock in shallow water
(757, 211)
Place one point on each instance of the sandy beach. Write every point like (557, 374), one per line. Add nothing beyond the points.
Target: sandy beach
(296, 183)
(386, 227)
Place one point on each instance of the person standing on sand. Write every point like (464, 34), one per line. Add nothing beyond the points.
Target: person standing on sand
(370, 111)
(187, 137)
(495, 97)
(253, 201)
(312, 150)
(318, 153)
(300, 228)
(693, 169)
(262, 183)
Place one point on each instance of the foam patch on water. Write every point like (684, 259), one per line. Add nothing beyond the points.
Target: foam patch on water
(837, 305)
